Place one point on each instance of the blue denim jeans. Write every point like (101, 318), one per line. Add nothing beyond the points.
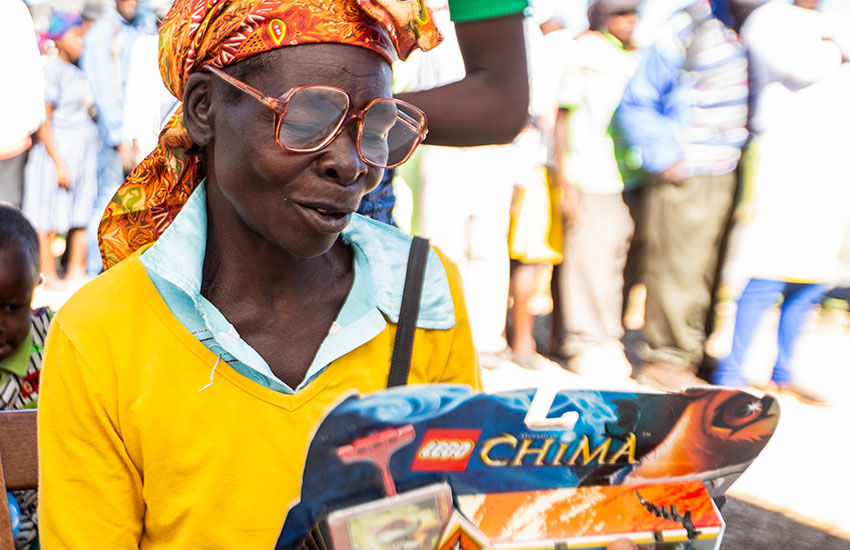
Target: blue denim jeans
(759, 296)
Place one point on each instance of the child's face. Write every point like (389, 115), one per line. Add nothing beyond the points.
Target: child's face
(71, 43)
(622, 25)
(17, 281)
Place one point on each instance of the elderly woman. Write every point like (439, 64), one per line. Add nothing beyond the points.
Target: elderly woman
(181, 387)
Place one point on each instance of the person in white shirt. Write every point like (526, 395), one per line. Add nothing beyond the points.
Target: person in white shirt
(21, 104)
(602, 192)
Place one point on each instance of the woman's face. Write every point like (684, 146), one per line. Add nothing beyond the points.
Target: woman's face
(297, 201)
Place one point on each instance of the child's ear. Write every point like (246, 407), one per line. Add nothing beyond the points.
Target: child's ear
(40, 282)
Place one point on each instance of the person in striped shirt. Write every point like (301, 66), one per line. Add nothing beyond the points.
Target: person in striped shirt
(684, 113)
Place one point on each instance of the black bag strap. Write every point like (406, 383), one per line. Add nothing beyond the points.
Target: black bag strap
(409, 312)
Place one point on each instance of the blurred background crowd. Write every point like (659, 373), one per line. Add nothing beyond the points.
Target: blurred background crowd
(681, 176)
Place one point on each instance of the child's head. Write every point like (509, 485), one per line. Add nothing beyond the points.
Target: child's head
(616, 17)
(66, 29)
(19, 275)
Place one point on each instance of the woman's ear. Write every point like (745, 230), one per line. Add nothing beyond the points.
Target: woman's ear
(197, 108)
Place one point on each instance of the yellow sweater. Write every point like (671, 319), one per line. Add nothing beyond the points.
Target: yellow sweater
(134, 456)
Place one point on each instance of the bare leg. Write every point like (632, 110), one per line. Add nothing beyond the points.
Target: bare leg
(48, 262)
(522, 288)
(76, 254)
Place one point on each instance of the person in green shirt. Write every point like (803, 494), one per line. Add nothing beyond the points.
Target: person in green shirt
(601, 193)
(22, 335)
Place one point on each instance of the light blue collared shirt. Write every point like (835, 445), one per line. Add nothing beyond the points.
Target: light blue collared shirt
(175, 263)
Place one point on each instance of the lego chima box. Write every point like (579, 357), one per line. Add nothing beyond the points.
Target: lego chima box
(525, 469)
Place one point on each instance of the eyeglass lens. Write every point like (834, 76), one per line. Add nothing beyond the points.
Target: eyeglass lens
(401, 137)
(311, 116)
(389, 130)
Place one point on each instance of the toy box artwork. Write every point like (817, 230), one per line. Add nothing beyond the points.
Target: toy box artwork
(461, 534)
(678, 514)
(406, 438)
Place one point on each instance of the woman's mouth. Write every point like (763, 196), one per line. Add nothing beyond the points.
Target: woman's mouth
(326, 219)
(332, 213)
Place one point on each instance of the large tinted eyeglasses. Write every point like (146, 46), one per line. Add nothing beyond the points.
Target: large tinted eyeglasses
(308, 118)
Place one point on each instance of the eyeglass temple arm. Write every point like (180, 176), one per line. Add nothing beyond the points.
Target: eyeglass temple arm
(408, 120)
(271, 102)
(412, 124)
(277, 105)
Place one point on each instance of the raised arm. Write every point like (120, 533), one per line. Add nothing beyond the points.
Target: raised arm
(490, 105)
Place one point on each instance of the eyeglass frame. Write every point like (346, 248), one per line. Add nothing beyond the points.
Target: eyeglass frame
(280, 104)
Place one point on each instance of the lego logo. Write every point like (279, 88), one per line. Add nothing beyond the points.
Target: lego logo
(445, 450)
(442, 449)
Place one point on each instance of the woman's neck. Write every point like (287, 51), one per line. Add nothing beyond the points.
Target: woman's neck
(240, 262)
(282, 305)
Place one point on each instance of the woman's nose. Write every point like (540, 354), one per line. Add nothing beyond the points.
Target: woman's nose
(340, 160)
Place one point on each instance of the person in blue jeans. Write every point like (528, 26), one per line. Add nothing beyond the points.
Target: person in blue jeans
(798, 300)
(794, 217)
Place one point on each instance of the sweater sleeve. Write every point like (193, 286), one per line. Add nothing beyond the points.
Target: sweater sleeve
(90, 492)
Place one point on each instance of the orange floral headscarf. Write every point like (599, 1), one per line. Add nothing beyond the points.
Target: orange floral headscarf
(219, 33)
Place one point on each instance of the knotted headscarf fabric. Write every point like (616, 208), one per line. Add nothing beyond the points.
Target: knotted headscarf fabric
(61, 22)
(196, 33)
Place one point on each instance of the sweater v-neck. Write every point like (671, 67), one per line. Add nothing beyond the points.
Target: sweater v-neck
(222, 368)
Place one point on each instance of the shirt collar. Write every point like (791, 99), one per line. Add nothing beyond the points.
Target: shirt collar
(613, 40)
(386, 249)
(178, 256)
(117, 17)
(18, 362)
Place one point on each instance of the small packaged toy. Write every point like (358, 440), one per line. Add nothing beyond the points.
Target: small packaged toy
(410, 521)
